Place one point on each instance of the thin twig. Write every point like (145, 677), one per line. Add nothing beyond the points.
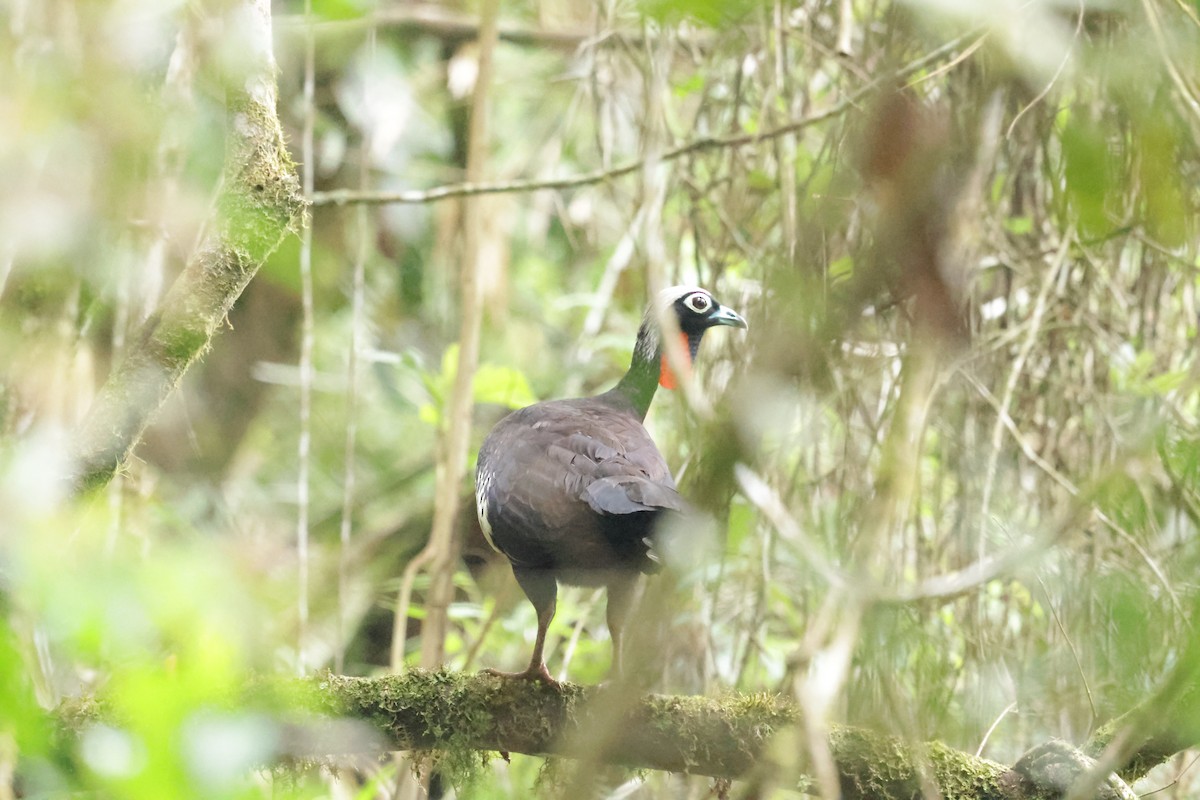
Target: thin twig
(1074, 491)
(785, 146)
(304, 445)
(995, 724)
(357, 303)
(1190, 100)
(1018, 366)
(845, 37)
(766, 500)
(952, 63)
(585, 613)
(8, 254)
(468, 189)
(1054, 78)
(499, 603)
(438, 552)
(1175, 782)
(435, 22)
(1074, 653)
(621, 257)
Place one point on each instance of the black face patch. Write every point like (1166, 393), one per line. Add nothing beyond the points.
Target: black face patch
(692, 310)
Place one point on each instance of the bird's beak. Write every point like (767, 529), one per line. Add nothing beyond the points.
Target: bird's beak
(725, 316)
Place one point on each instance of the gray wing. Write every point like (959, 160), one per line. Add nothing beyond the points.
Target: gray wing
(560, 484)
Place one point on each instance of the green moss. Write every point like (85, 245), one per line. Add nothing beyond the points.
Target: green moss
(466, 717)
(254, 224)
(181, 343)
(261, 203)
(878, 766)
(724, 733)
(960, 775)
(449, 711)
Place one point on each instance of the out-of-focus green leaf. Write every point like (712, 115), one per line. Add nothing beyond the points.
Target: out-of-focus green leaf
(20, 716)
(492, 383)
(1167, 382)
(741, 523)
(1167, 213)
(341, 9)
(760, 180)
(503, 386)
(1088, 173)
(841, 268)
(693, 85)
(1018, 226)
(713, 13)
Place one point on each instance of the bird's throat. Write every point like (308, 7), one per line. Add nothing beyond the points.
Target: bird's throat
(648, 370)
(666, 376)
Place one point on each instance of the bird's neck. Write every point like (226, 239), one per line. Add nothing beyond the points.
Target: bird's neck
(639, 383)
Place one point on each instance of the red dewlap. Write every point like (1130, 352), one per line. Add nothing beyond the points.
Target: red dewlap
(666, 376)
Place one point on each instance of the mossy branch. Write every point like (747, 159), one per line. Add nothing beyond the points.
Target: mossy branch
(259, 205)
(1158, 728)
(731, 737)
(755, 738)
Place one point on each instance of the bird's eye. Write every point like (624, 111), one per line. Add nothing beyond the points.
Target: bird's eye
(700, 303)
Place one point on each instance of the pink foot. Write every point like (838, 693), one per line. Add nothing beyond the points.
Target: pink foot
(535, 672)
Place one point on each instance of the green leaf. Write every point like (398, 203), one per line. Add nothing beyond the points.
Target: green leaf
(430, 414)
(841, 268)
(502, 385)
(341, 9)
(1167, 382)
(693, 85)
(713, 13)
(1166, 209)
(492, 383)
(1018, 226)
(741, 524)
(760, 180)
(1088, 173)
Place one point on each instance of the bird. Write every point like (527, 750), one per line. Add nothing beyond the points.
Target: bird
(570, 490)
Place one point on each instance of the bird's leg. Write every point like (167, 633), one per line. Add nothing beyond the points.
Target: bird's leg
(537, 662)
(542, 591)
(621, 591)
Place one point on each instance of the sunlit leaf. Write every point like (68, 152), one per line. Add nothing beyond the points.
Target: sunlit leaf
(503, 386)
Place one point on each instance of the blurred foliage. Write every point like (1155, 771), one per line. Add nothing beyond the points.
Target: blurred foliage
(972, 286)
(492, 383)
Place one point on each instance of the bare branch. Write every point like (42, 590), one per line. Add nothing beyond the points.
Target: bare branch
(436, 22)
(341, 197)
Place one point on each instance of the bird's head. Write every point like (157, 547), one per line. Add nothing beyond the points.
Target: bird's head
(695, 310)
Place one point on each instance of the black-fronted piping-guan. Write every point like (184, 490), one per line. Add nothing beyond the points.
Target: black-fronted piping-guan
(570, 490)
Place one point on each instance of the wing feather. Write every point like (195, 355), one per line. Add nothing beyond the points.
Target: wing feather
(574, 483)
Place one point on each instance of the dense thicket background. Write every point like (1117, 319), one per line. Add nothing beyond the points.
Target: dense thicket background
(952, 470)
